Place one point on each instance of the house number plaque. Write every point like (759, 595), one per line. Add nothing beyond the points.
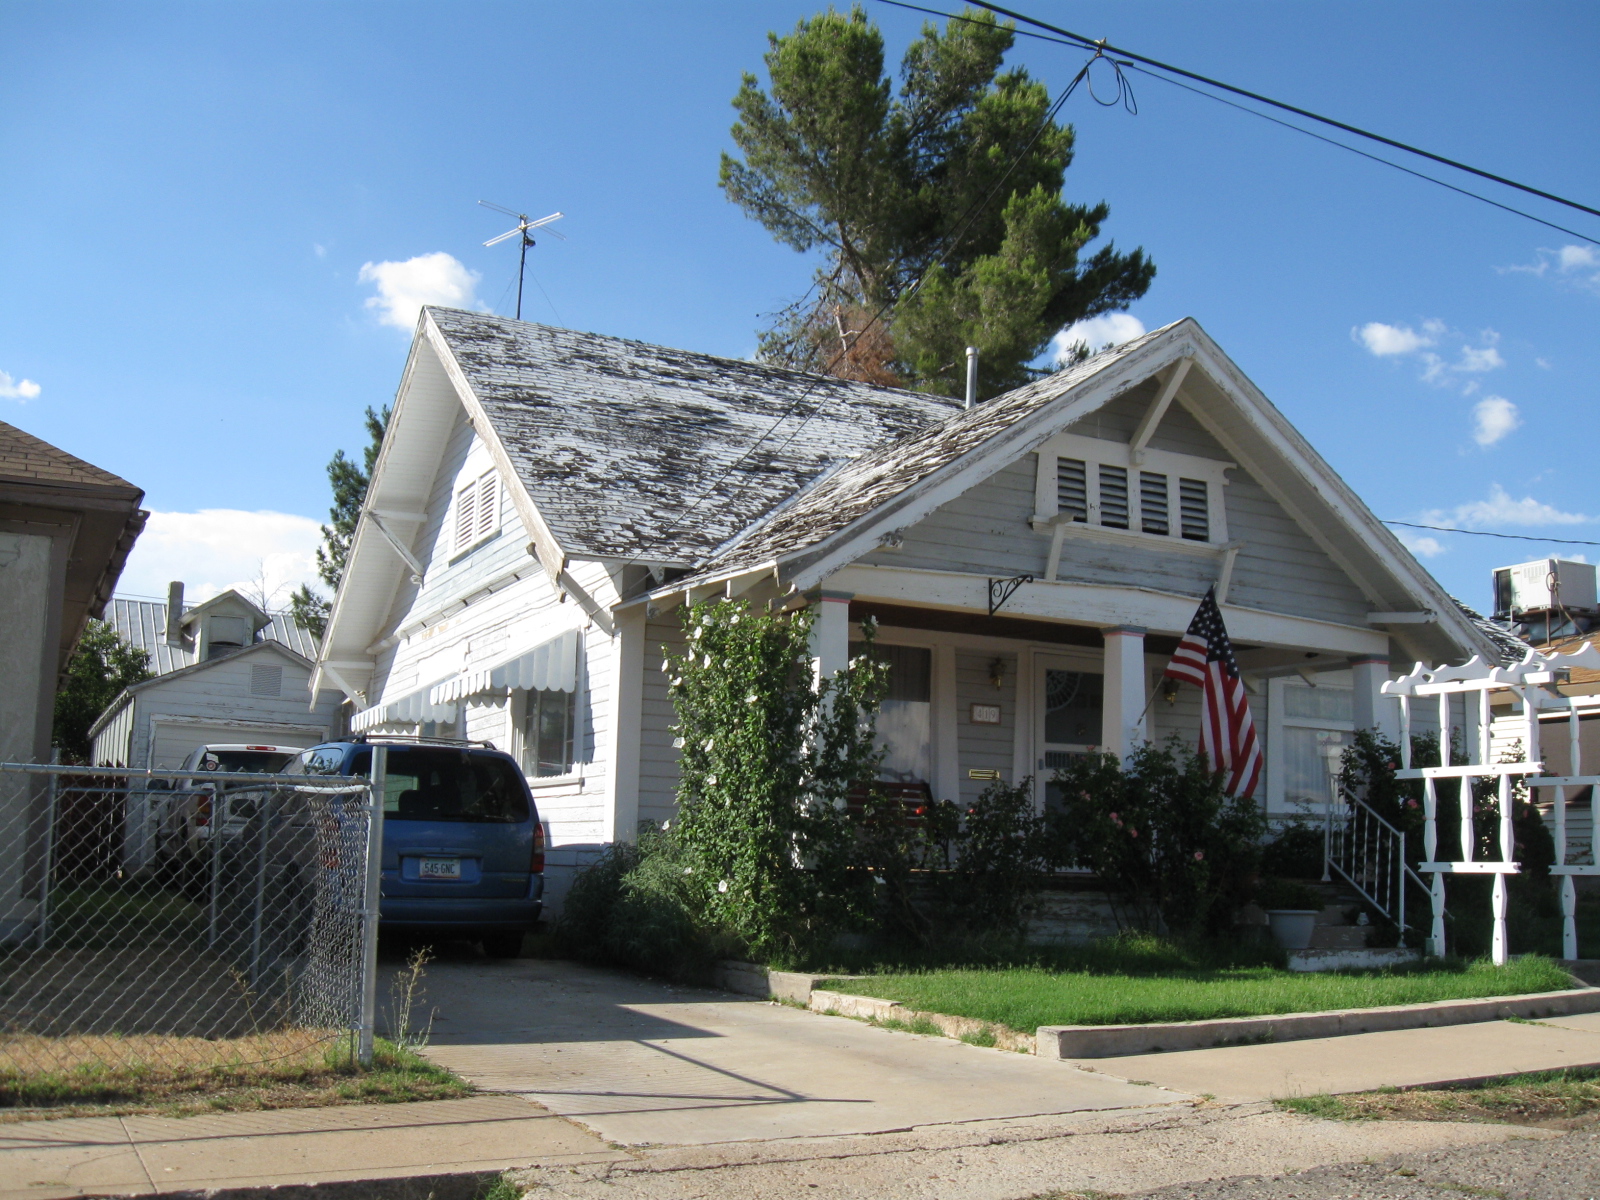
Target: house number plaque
(986, 714)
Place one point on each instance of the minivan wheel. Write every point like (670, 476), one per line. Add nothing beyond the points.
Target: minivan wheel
(502, 945)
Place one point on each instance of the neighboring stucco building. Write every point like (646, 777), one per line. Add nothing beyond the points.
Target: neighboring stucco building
(66, 527)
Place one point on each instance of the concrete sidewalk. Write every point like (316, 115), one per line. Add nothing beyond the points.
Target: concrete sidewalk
(1367, 1061)
(44, 1160)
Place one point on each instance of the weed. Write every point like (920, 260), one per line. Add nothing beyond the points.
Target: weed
(980, 1037)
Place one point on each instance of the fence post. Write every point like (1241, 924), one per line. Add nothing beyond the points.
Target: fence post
(49, 849)
(367, 1027)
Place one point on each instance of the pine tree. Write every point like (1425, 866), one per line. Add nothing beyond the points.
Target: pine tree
(955, 181)
(100, 668)
(349, 484)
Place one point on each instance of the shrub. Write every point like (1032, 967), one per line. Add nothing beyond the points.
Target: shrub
(1168, 841)
(1296, 852)
(1287, 894)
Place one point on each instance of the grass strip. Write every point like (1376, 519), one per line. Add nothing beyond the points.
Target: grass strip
(317, 1078)
(1024, 998)
(1552, 1099)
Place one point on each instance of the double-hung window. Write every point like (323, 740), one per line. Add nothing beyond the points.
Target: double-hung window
(477, 510)
(1102, 486)
(548, 725)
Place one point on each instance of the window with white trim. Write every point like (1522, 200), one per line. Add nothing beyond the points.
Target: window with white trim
(477, 510)
(1100, 484)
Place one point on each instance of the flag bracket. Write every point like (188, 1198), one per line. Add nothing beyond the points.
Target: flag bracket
(1001, 590)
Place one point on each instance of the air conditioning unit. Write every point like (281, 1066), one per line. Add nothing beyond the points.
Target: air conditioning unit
(1544, 585)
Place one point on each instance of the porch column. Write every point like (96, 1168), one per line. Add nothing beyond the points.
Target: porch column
(946, 730)
(830, 635)
(1373, 710)
(1122, 721)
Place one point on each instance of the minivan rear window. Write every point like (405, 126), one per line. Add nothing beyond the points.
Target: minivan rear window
(449, 785)
(254, 762)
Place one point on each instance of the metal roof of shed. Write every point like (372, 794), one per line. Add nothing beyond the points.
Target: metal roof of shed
(143, 625)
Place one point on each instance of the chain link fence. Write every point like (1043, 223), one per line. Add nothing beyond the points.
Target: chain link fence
(180, 922)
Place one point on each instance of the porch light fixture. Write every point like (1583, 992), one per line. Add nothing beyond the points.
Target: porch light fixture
(997, 673)
(1169, 690)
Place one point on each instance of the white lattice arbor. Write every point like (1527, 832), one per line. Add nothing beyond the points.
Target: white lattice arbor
(1528, 686)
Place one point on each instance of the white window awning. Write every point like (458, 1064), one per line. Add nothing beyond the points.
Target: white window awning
(549, 667)
(408, 710)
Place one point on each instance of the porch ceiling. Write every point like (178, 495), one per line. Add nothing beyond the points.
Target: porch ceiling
(943, 620)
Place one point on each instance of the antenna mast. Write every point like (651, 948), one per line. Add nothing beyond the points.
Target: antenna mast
(523, 226)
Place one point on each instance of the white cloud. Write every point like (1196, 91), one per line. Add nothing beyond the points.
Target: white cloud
(1574, 265)
(1492, 418)
(1402, 341)
(1111, 329)
(1425, 547)
(319, 250)
(404, 287)
(1501, 509)
(1388, 340)
(220, 548)
(22, 389)
(1574, 258)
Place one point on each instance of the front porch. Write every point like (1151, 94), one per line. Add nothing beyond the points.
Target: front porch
(977, 698)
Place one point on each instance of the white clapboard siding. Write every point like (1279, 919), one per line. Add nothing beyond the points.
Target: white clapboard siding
(658, 758)
(984, 747)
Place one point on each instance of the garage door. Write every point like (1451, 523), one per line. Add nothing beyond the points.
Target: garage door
(171, 743)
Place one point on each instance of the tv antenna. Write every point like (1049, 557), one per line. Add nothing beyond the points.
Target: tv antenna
(523, 226)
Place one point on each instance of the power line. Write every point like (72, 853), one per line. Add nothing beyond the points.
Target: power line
(1519, 537)
(1104, 47)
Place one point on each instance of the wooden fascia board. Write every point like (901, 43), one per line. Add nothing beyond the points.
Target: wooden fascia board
(806, 568)
(1100, 605)
(1329, 489)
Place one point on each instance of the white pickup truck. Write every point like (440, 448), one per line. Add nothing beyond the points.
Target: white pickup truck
(197, 808)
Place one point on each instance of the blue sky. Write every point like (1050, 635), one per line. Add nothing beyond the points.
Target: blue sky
(192, 192)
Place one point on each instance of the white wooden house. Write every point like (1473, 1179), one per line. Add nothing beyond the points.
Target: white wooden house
(546, 501)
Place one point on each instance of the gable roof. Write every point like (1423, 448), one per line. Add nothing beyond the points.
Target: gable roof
(840, 517)
(632, 450)
(27, 459)
(143, 625)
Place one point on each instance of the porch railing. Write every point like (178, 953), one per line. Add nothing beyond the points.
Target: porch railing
(1369, 854)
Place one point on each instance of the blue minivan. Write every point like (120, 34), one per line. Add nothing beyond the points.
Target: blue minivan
(463, 849)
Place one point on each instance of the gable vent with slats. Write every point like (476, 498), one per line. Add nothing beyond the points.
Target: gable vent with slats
(477, 510)
(1194, 510)
(1153, 508)
(1072, 488)
(266, 681)
(1113, 496)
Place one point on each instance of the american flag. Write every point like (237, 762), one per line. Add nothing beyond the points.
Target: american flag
(1227, 732)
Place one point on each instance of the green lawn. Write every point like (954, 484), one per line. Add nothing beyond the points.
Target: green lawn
(1023, 998)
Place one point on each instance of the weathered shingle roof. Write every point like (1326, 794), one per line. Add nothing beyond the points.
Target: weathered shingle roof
(28, 459)
(633, 450)
(1510, 647)
(143, 625)
(876, 477)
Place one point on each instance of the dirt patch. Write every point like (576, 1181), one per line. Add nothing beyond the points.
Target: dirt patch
(1562, 1100)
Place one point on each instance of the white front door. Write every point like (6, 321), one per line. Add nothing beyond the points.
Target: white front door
(1071, 714)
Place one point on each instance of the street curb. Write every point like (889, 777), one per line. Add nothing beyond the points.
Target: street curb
(1113, 1041)
(870, 1008)
(461, 1185)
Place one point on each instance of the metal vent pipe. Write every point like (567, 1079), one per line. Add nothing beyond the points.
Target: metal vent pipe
(972, 376)
(175, 613)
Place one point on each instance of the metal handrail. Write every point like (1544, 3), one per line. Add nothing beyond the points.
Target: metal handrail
(1357, 809)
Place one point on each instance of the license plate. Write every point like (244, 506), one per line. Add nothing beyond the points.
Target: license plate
(439, 868)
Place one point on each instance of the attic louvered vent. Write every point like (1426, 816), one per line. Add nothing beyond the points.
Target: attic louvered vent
(266, 681)
(1097, 484)
(1194, 509)
(477, 510)
(1153, 511)
(1072, 488)
(1114, 496)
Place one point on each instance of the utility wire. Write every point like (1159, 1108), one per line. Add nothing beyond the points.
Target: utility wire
(1519, 537)
(951, 242)
(1388, 162)
(1105, 47)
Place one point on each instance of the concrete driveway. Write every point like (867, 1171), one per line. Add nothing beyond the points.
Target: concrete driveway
(645, 1063)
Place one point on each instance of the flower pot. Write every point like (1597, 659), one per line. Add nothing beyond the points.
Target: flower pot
(1292, 927)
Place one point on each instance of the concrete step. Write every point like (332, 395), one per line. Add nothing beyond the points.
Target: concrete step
(1339, 937)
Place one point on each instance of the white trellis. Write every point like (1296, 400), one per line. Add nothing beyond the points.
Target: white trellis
(1528, 685)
